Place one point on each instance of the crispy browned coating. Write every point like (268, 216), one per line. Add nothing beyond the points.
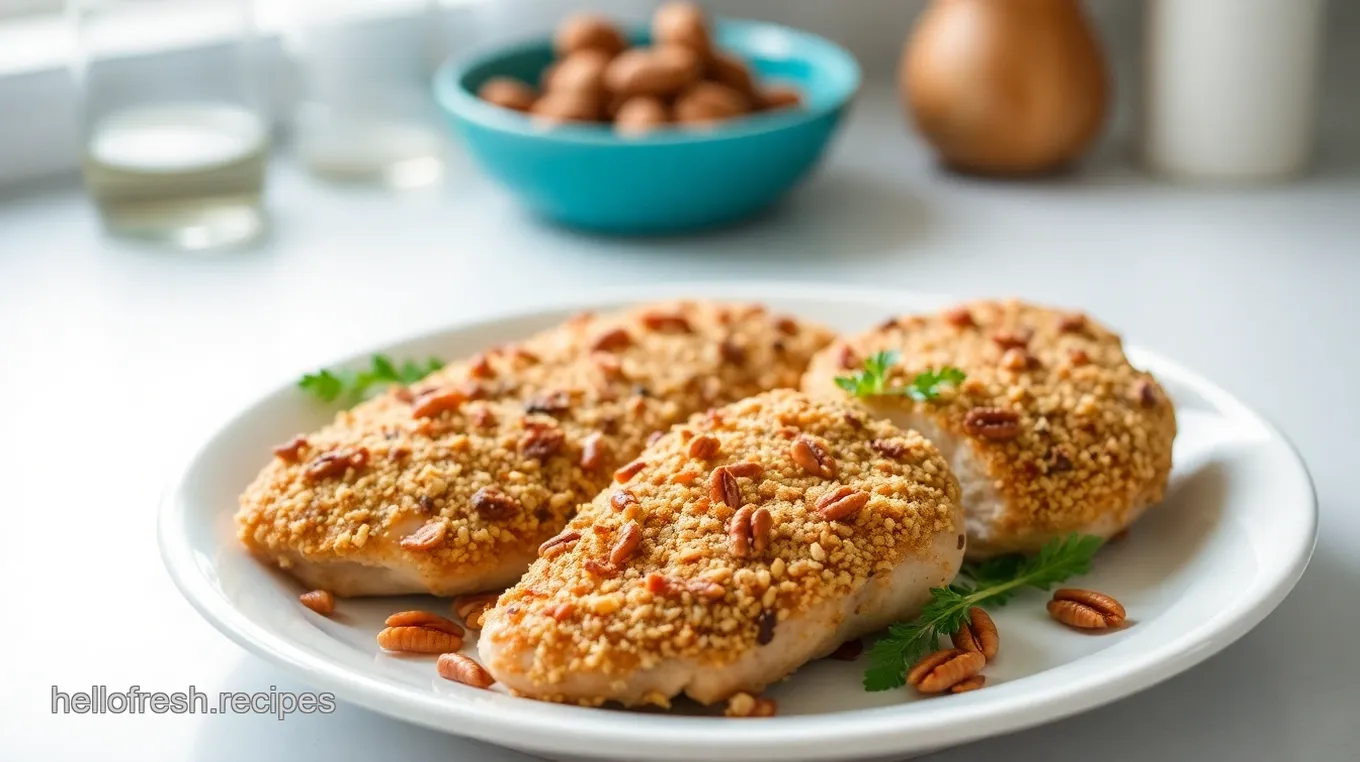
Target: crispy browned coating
(1093, 434)
(684, 593)
(545, 423)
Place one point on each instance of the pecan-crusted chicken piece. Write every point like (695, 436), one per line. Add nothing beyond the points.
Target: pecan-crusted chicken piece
(748, 542)
(1053, 431)
(450, 486)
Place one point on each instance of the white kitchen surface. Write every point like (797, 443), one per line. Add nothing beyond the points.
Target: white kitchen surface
(114, 360)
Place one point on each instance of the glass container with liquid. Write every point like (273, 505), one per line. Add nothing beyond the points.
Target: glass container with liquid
(175, 144)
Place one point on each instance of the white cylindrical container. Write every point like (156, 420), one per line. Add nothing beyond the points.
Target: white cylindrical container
(1230, 88)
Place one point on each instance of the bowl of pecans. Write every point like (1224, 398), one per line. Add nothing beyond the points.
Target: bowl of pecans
(687, 125)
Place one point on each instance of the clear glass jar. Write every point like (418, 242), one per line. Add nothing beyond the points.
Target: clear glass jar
(175, 144)
(365, 113)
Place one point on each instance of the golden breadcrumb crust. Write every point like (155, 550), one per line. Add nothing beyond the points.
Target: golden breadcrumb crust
(684, 592)
(1093, 434)
(519, 437)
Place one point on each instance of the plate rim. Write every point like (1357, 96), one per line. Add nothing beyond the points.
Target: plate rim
(553, 728)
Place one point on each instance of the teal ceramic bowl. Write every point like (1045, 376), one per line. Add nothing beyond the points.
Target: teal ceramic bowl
(670, 181)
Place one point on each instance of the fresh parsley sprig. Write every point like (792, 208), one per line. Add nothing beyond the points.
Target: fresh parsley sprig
(987, 583)
(872, 380)
(351, 385)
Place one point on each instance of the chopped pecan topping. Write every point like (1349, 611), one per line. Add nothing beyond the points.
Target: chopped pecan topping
(427, 537)
(480, 366)
(540, 441)
(992, 423)
(891, 448)
(746, 468)
(1078, 357)
(704, 447)
(1017, 339)
(1071, 322)
(437, 401)
(959, 317)
(549, 402)
(630, 539)
(594, 451)
(1016, 359)
(598, 568)
(493, 505)
(812, 457)
(762, 524)
(705, 589)
(320, 601)
(555, 546)
(658, 584)
(622, 499)
(462, 669)
(1086, 609)
(337, 463)
(667, 322)
(628, 471)
(787, 326)
(612, 341)
(290, 451)
(723, 488)
(765, 627)
(562, 611)
(841, 503)
(939, 671)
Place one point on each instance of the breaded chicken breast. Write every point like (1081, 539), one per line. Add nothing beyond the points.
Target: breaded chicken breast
(450, 486)
(739, 546)
(1053, 431)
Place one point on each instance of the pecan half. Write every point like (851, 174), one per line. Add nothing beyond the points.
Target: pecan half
(765, 627)
(556, 546)
(320, 601)
(812, 457)
(493, 505)
(959, 317)
(540, 441)
(427, 537)
(1086, 609)
(290, 451)
(418, 640)
(594, 451)
(555, 401)
(891, 448)
(337, 463)
(942, 670)
(424, 619)
(841, 503)
(461, 669)
(598, 568)
(612, 341)
(745, 468)
(437, 401)
(667, 322)
(704, 447)
(630, 539)
(978, 633)
(1017, 339)
(762, 524)
(992, 423)
(723, 488)
(622, 499)
(971, 684)
(739, 532)
(628, 471)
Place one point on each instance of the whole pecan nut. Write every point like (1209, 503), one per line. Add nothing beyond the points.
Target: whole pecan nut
(841, 503)
(630, 539)
(427, 537)
(704, 447)
(418, 640)
(320, 601)
(992, 423)
(462, 669)
(762, 524)
(812, 457)
(942, 670)
(978, 633)
(739, 532)
(424, 619)
(1086, 609)
(437, 401)
(723, 487)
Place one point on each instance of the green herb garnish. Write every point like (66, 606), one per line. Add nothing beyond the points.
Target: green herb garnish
(872, 380)
(988, 583)
(352, 386)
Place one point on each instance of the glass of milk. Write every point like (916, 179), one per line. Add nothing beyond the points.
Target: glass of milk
(175, 143)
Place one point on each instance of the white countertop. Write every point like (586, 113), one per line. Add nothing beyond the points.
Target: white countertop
(114, 360)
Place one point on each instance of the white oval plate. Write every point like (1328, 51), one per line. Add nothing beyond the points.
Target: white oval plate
(1197, 573)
